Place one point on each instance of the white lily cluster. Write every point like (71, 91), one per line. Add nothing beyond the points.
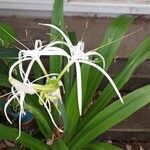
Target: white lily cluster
(50, 92)
(77, 57)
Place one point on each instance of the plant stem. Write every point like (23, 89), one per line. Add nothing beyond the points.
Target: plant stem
(64, 70)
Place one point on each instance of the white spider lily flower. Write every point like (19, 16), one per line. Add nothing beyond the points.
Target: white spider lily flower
(20, 89)
(47, 50)
(78, 56)
(51, 92)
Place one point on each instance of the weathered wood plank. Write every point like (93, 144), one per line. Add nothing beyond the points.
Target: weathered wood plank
(93, 35)
(136, 127)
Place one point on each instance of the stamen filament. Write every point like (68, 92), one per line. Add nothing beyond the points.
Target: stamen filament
(109, 43)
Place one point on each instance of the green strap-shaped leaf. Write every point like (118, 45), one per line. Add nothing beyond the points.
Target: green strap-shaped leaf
(110, 116)
(116, 31)
(57, 20)
(8, 53)
(4, 80)
(7, 133)
(139, 55)
(5, 39)
(4, 69)
(60, 145)
(37, 72)
(42, 119)
(101, 146)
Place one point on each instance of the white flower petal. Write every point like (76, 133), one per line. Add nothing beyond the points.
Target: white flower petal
(15, 64)
(48, 75)
(79, 87)
(21, 102)
(28, 71)
(38, 43)
(47, 109)
(6, 105)
(106, 75)
(56, 43)
(24, 87)
(61, 32)
(7, 94)
(97, 54)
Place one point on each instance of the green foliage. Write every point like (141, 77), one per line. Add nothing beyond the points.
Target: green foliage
(80, 132)
(139, 55)
(6, 53)
(28, 141)
(110, 116)
(5, 39)
(40, 115)
(59, 145)
(4, 80)
(116, 31)
(101, 146)
(57, 20)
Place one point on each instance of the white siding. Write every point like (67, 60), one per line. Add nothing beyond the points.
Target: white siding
(75, 7)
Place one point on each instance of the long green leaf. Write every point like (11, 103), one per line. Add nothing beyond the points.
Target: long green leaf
(4, 68)
(101, 146)
(7, 133)
(8, 53)
(5, 39)
(4, 80)
(57, 20)
(41, 121)
(116, 30)
(139, 55)
(33, 106)
(110, 116)
(37, 72)
(59, 145)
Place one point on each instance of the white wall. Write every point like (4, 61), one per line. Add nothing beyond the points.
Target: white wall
(75, 7)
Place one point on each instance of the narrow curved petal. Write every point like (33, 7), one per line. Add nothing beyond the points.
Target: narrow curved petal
(97, 54)
(56, 43)
(49, 51)
(7, 94)
(21, 70)
(21, 102)
(61, 32)
(19, 86)
(41, 65)
(6, 105)
(47, 109)
(49, 104)
(15, 64)
(79, 86)
(48, 75)
(28, 71)
(38, 44)
(106, 75)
